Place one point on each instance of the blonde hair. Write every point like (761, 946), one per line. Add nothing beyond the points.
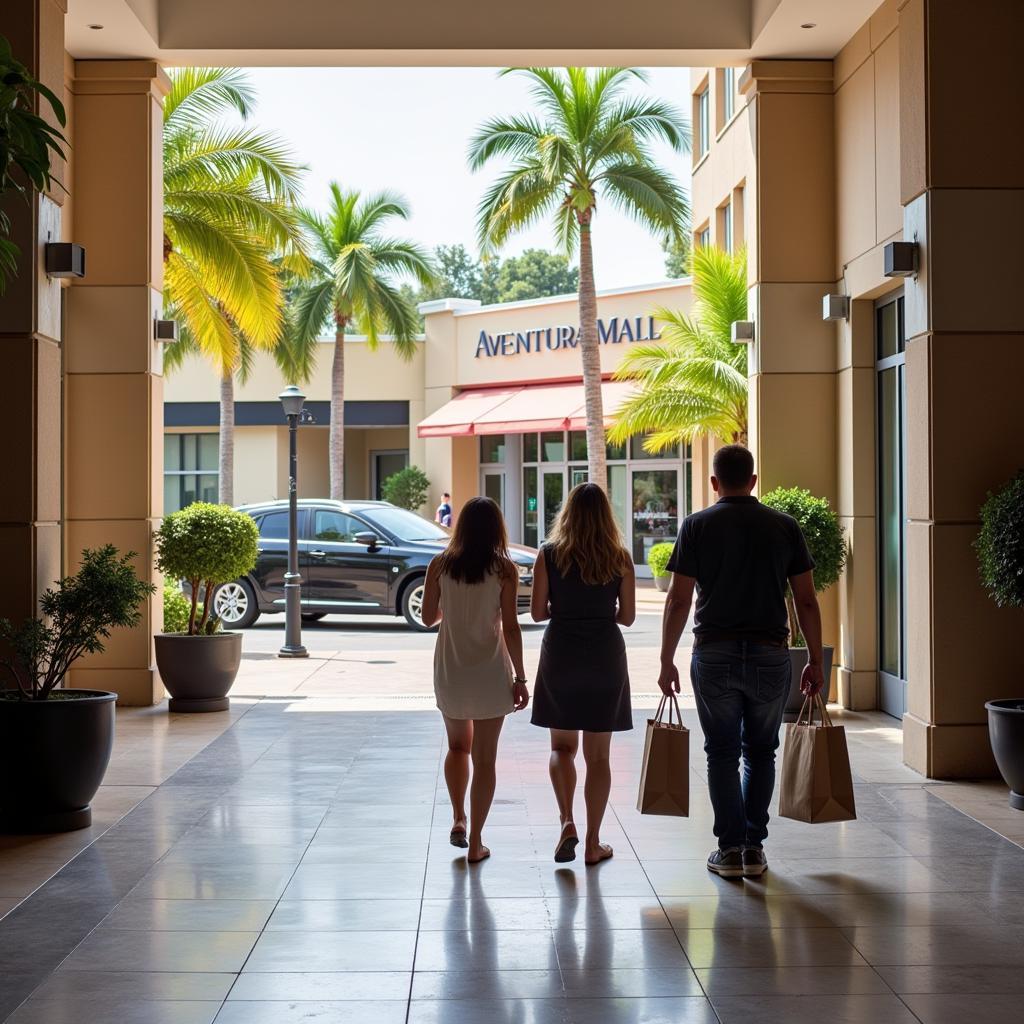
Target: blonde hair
(586, 535)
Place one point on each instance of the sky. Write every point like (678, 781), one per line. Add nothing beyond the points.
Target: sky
(407, 129)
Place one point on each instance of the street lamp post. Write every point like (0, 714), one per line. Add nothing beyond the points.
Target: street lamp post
(292, 399)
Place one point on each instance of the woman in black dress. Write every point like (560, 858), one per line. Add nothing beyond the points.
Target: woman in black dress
(584, 583)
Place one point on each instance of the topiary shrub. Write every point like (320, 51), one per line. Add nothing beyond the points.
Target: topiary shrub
(176, 609)
(1000, 544)
(823, 534)
(657, 559)
(407, 488)
(207, 545)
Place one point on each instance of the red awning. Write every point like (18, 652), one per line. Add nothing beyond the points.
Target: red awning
(520, 410)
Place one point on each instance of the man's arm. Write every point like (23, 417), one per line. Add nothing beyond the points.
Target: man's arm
(673, 622)
(808, 614)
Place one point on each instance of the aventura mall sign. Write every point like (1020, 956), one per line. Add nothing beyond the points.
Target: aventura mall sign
(549, 339)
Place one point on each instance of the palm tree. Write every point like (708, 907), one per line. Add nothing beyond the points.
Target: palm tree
(695, 381)
(228, 213)
(589, 141)
(352, 281)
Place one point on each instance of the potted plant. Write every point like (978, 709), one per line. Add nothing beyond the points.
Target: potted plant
(207, 546)
(55, 743)
(824, 537)
(407, 488)
(657, 561)
(1000, 549)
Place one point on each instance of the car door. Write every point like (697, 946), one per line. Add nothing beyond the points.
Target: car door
(344, 575)
(272, 561)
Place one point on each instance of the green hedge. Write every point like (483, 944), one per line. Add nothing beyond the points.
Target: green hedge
(657, 558)
(1000, 544)
(176, 609)
(820, 527)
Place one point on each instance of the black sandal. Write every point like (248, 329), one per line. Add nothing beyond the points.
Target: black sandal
(457, 837)
(566, 848)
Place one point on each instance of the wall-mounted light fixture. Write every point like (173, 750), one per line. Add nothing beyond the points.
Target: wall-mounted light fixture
(165, 331)
(835, 307)
(900, 259)
(65, 259)
(743, 332)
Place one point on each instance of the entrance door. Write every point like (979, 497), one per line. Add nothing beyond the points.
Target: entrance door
(494, 487)
(384, 464)
(342, 574)
(655, 497)
(552, 494)
(892, 507)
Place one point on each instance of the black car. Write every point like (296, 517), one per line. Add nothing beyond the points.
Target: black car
(355, 558)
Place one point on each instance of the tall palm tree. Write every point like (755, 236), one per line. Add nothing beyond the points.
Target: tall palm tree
(695, 381)
(228, 217)
(352, 281)
(589, 141)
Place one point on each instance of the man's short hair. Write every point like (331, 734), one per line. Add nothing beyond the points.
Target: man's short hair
(445, 494)
(734, 466)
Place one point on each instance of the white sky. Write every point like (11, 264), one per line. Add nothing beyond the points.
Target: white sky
(407, 129)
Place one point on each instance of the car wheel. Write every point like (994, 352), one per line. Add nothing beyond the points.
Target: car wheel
(412, 606)
(235, 605)
(313, 616)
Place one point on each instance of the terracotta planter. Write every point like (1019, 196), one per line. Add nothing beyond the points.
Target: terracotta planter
(1006, 734)
(198, 671)
(53, 756)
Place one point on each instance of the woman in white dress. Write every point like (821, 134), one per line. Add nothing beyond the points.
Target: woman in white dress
(479, 678)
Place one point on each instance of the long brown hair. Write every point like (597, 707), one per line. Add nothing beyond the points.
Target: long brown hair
(586, 535)
(479, 543)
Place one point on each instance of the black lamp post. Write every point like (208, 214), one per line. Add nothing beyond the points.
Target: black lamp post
(292, 399)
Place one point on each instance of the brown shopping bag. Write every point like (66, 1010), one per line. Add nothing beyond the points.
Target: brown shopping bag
(665, 773)
(816, 782)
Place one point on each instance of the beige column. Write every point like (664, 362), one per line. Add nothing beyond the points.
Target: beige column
(30, 335)
(962, 182)
(791, 255)
(113, 382)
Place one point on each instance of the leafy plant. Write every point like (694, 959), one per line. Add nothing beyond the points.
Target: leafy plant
(176, 609)
(407, 488)
(1000, 544)
(823, 534)
(27, 144)
(207, 545)
(77, 616)
(657, 558)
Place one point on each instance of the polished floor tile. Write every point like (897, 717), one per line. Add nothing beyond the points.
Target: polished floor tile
(954, 1009)
(801, 980)
(328, 986)
(284, 951)
(781, 947)
(346, 1012)
(140, 914)
(117, 950)
(135, 1012)
(345, 915)
(836, 1009)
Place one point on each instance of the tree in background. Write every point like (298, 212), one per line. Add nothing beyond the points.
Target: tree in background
(587, 141)
(535, 274)
(459, 275)
(677, 256)
(228, 221)
(693, 382)
(353, 282)
(408, 488)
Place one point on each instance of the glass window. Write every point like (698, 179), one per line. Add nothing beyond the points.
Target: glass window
(703, 122)
(728, 94)
(577, 445)
(578, 475)
(704, 236)
(615, 451)
(890, 329)
(618, 495)
(552, 446)
(403, 524)
(554, 494)
(529, 447)
(492, 448)
(274, 526)
(637, 450)
(190, 469)
(208, 451)
(494, 488)
(530, 505)
(335, 526)
(655, 509)
(727, 227)
(172, 452)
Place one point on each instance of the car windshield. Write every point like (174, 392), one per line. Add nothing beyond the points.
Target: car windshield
(406, 525)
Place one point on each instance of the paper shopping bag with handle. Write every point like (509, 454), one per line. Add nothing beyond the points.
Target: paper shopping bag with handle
(816, 782)
(665, 773)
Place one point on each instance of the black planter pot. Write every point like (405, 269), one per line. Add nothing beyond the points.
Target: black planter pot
(53, 756)
(198, 670)
(798, 659)
(1006, 734)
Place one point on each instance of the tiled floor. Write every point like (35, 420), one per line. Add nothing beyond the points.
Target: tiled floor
(296, 868)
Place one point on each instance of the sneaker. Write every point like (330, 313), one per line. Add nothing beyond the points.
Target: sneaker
(755, 863)
(726, 863)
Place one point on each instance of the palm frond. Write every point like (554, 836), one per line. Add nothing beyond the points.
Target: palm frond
(515, 137)
(648, 194)
(517, 199)
(651, 120)
(407, 259)
(201, 94)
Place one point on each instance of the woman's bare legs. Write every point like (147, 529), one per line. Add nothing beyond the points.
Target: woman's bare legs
(562, 769)
(456, 767)
(595, 792)
(484, 753)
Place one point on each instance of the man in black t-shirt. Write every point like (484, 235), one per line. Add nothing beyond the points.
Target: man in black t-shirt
(740, 556)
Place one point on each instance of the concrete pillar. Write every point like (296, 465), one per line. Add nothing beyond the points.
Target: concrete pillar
(113, 382)
(30, 334)
(962, 184)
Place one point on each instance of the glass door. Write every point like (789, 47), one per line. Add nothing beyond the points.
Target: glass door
(494, 487)
(553, 494)
(655, 497)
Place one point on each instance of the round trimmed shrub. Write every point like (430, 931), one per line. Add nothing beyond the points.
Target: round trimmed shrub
(208, 545)
(176, 609)
(1000, 544)
(657, 559)
(407, 488)
(820, 527)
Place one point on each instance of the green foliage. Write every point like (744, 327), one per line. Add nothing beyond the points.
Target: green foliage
(208, 545)
(176, 609)
(1000, 544)
(677, 256)
(458, 275)
(657, 558)
(535, 274)
(694, 381)
(77, 616)
(407, 488)
(28, 144)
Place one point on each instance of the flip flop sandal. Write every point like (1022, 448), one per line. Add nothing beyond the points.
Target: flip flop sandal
(567, 850)
(457, 837)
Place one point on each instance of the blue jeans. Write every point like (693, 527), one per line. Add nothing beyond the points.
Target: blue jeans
(741, 690)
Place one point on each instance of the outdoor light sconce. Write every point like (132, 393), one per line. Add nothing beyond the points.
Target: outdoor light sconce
(65, 259)
(165, 331)
(900, 259)
(835, 307)
(743, 332)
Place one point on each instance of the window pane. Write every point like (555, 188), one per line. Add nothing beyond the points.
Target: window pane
(553, 446)
(190, 452)
(728, 93)
(890, 520)
(494, 488)
(578, 445)
(637, 450)
(172, 452)
(335, 526)
(530, 505)
(554, 493)
(208, 452)
(275, 526)
(529, 447)
(492, 448)
(172, 498)
(703, 114)
(615, 451)
(577, 475)
(618, 495)
(655, 510)
(208, 488)
(888, 330)
(189, 490)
